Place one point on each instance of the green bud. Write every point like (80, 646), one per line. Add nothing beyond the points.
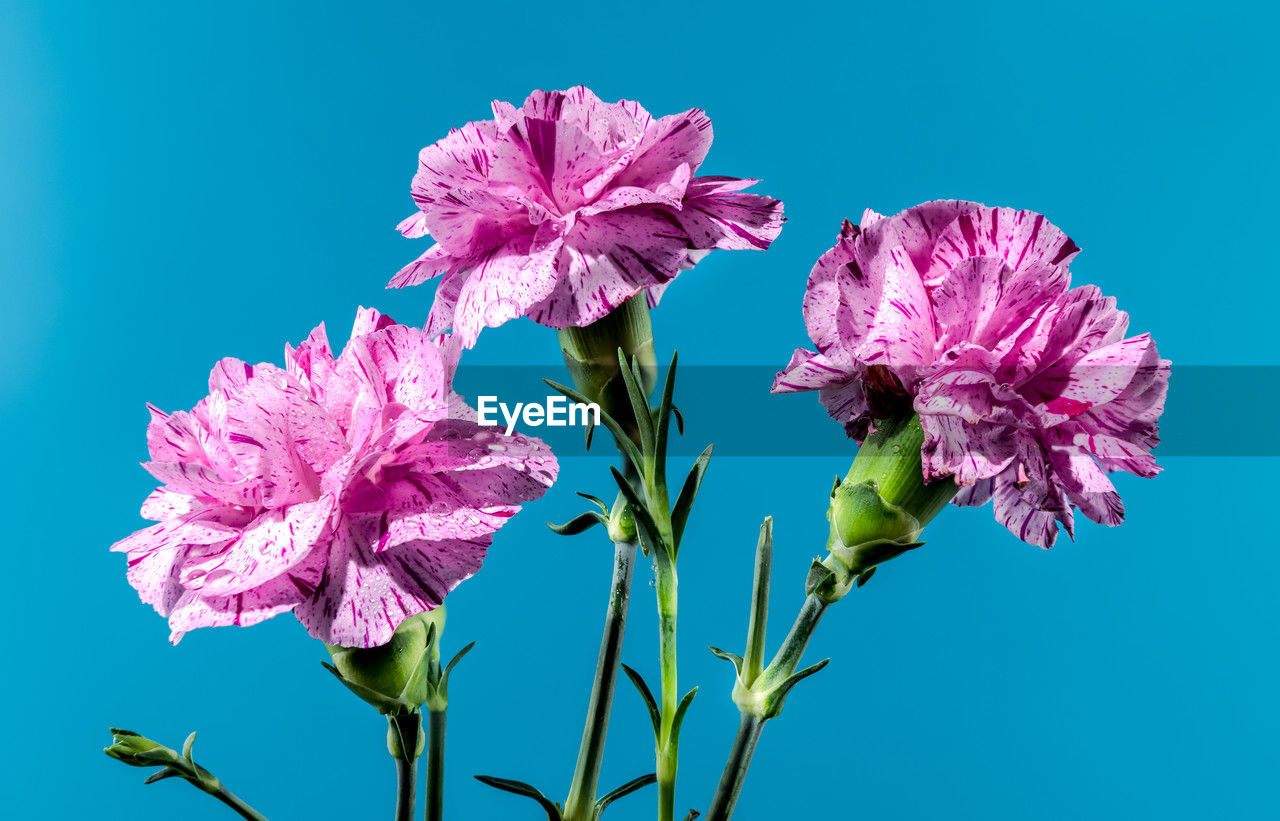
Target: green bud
(881, 507)
(393, 677)
(137, 751)
(622, 525)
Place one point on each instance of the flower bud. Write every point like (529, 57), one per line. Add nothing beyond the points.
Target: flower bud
(137, 751)
(881, 507)
(393, 677)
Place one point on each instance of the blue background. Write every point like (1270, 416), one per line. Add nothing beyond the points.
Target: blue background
(187, 181)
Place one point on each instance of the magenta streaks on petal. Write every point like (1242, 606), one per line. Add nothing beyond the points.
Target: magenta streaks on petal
(1028, 390)
(353, 490)
(567, 206)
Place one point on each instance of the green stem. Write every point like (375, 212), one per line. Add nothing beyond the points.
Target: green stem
(406, 783)
(403, 738)
(744, 744)
(669, 741)
(580, 806)
(735, 769)
(233, 801)
(435, 764)
(788, 656)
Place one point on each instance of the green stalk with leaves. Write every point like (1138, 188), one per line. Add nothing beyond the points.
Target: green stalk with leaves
(591, 357)
(659, 528)
(138, 751)
(876, 513)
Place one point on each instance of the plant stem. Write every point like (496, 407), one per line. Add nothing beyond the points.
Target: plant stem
(735, 769)
(403, 739)
(669, 741)
(580, 806)
(788, 656)
(749, 729)
(406, 783)
(233, 801)
(435, 764)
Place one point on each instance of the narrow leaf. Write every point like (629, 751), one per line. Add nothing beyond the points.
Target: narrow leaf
(681, 710)
(754, 654)
(684, 502)
(167, 772)
(796, 678)
(626, 789)
(596, 500)
(188, 746)
(453, 662)
(639, 402)
(664, 422)
(625, 444)
(732, 658)
(647, 695)
(578, 524)
(679, 419)
(521, 788)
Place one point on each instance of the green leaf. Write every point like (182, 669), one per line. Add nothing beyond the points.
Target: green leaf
(521, 788)
(578, 524)
(865, 577)
(681, 709)
(684, 502)
(596, 500)
(664, 422)
(679, 419)
(188, 746)
(626, 789)
(453, 662)
(732, 658)
(796, 678)
(167, 772)
(654, 715)
(639, 402)
(628, 447)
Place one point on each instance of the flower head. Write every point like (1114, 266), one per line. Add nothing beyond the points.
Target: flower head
(355, 491)
(563, 209)
(1028, 390)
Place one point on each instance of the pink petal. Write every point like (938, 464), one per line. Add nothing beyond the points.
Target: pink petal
(270, 546)
(363, 596)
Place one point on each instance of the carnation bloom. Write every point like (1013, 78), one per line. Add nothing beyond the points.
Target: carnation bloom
(565, 208)
(1028, 391)
(354, 491)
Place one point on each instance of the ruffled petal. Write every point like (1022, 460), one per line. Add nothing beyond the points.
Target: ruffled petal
(364, 595)
(270, 546)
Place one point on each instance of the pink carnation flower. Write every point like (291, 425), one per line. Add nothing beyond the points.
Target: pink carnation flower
(354, 491)
(565, 208)
(1028, 391)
